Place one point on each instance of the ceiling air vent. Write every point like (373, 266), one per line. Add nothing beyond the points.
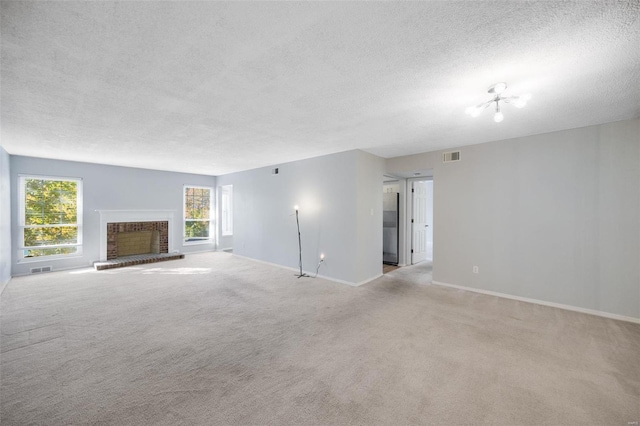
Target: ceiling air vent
(448, 157)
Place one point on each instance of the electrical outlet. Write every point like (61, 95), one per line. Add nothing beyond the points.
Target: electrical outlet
(475, 270)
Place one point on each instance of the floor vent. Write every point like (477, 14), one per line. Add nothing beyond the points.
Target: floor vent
(41, 269)
(451, 156)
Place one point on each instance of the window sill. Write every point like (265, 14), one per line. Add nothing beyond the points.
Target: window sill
(40, 259)
(197, 243)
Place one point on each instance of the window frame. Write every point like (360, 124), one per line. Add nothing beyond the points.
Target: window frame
(226, 231)
(22, 210)
(211, 238)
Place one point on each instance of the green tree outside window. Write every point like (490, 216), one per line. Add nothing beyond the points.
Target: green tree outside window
(50, 217)
(197, 213)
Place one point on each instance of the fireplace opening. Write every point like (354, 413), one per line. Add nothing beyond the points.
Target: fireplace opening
(134, 238)
(139, 242)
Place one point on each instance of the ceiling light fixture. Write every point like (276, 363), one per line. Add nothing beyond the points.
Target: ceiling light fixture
(496, 90)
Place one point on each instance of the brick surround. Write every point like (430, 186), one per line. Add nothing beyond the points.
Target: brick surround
(114, 228)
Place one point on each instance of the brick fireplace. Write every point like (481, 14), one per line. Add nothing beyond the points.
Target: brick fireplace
(131, 232)
(130, 238)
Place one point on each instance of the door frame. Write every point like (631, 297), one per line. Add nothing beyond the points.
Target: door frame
(392, 180)
(402, 184)
(409, 216)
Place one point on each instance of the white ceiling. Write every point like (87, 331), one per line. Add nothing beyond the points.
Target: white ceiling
(214, 87)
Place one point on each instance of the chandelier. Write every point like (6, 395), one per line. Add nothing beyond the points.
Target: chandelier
(496, 91)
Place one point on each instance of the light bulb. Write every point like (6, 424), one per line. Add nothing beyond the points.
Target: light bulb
(321, 256)
(498, 117)
(519, 103)
(526, 97)
(470, 110)
(499, 88)
(295, 207)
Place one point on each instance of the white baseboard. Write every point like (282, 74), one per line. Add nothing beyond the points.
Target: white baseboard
(72, 268)
(264, 262)
(311, 274)
(53, 270)
(368, 280)
(543, 302)
(350, 283)
(4, 285)
(209, 250)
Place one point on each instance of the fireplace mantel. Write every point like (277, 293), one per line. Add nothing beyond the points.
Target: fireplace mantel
(115, 216)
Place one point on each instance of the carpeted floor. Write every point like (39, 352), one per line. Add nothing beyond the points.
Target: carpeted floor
(216, 339)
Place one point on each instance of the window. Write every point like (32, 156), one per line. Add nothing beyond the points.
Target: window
(226, 210)
(197, 214)
(50, 217)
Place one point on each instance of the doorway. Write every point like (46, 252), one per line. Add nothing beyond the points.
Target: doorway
(391, 223)
(421, 220)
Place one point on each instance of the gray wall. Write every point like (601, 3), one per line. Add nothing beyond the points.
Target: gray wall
(109, 188)
(335, 193)
(370, 175)
(5, 219)
(553, 217)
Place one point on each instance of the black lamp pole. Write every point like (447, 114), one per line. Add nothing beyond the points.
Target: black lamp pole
(299, 246)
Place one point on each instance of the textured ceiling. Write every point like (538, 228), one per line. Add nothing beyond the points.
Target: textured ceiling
(212, 88)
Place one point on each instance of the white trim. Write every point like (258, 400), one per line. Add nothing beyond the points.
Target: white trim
(264, 262)
(47, 177)
(349, 283)
(22, 178)
(228, 189)
(543, 303)
(115, 216)
(208, 241)
(311, 274)
(368, 280)
(4, 285)
(52, 257)
(212, 250)
(55, 270)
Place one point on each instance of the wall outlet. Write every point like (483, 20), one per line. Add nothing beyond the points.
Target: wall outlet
(475, 270)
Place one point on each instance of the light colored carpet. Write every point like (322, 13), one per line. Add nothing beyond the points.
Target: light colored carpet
(216, 339)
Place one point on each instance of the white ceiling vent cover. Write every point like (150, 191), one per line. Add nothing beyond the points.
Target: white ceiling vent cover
(451, 156)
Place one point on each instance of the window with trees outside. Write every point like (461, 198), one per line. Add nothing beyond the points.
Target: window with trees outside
(226, 210)
(197, 214)
(50, 222)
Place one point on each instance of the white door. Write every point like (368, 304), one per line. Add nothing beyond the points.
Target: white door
(419, 223)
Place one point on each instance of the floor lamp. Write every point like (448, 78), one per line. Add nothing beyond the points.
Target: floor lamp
(302, 274)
